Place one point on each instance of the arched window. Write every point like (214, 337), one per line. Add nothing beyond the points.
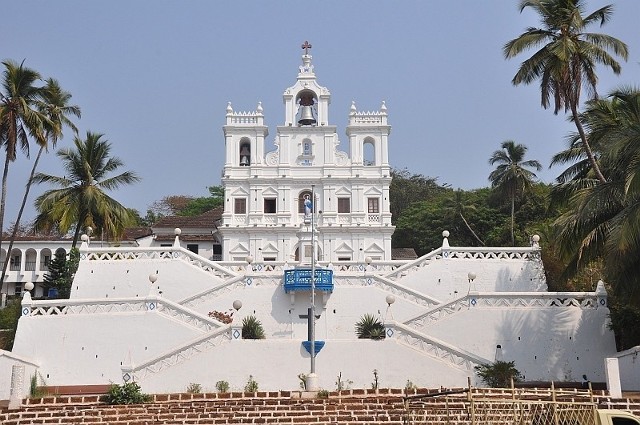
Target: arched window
(307, 108)
(368, 152)
(245, 153)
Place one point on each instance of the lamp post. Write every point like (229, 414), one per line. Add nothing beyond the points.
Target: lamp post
(312, 379)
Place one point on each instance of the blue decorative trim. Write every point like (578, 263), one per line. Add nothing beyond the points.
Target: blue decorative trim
(389, 332)
(474, 302)
(249, 281)
(126, 377)
(318, 346)
(602, 301)
(26, 311)
(236, 334)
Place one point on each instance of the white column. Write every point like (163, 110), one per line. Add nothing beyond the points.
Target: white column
(612, 373)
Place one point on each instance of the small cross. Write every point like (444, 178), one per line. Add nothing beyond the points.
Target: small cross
(306, 46)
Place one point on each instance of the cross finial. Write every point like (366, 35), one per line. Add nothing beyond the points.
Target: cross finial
(306, 46)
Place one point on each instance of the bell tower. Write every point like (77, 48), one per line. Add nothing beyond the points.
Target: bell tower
(306, 102)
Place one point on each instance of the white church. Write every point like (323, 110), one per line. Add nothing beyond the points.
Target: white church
(304, 222)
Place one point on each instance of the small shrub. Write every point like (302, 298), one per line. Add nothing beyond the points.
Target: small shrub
(370, 327)
(252, 328)
(36, 391)
(194, 388)
(375, 383)
(222, 386)
(129, 393)
(498, 374)
(323, 394)
(251, 386)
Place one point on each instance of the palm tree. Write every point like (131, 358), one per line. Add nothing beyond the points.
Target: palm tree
(55, 107)
(81, 200)
(511, 176)
(456, 206)
(601, 221)
(566, 60)
(19, 118)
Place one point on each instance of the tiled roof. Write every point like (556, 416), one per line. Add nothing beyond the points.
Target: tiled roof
(206, 219)
(403, 254)
(133, 233)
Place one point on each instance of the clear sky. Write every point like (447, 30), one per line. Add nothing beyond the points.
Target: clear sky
(155, 77)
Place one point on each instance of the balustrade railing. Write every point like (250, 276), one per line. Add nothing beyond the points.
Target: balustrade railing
(155, 253)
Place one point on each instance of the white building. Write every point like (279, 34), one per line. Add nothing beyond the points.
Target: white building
(265, 191)
(142, 313)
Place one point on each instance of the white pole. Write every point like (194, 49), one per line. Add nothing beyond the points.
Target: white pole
(312, 379)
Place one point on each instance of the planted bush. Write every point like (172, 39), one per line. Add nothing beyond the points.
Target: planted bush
(129, 393)
(252, 328)
(370, 327)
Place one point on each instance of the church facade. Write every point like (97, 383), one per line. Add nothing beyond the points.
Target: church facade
(265, 191)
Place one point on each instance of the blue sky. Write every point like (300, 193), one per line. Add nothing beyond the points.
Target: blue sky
(155, 77)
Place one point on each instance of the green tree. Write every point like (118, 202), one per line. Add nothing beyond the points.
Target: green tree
(62, 271)
(81, 200)
(511, 177)
(9, 323)
(406, 188)
(197, 206)
(565, 57)
(56, 108)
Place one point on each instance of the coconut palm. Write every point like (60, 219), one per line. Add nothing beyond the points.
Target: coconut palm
(81, 199)
(20, 118)
(55, 107)
(565, 57)
(602, 219)
(511, 177)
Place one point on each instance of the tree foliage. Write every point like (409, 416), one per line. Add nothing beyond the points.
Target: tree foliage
(565, 57)
(81, 199)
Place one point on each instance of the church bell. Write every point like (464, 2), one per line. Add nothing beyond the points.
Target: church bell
(306, 116)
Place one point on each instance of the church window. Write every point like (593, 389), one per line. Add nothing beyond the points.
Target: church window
(368, 152)
(245, 154)
(373, 205)
(270, 206)
(307, 148)
(344, 258)
(269, 258)
(301, 198)
(240, 206)
(344, 205)
(193, 247)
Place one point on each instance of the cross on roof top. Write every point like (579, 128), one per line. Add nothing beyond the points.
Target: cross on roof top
(306, 46)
